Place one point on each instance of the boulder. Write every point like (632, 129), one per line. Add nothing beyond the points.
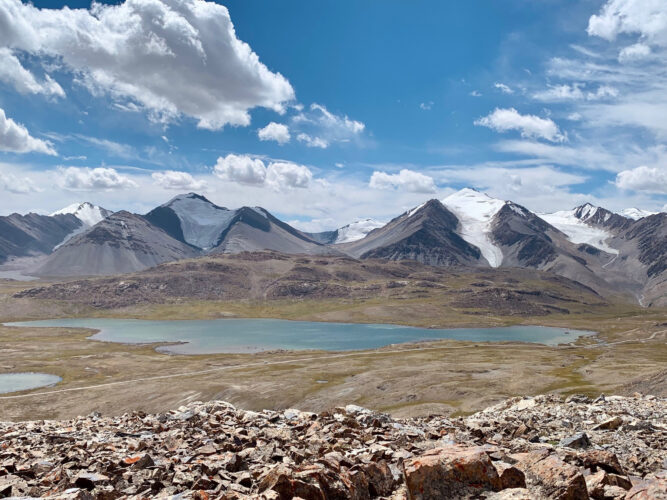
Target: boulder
(450, 472)
(601, 459)
(650, 489)
(609, 425)
(552, 477)
(579, 440)
(510, 476)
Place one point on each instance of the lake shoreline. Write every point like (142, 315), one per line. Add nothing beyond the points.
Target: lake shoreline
(206, 337)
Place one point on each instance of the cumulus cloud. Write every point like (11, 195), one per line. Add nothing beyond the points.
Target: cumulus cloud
(647, 18)
(93, 179)
(17, 185)
(407, 180)
(169, 57)
(312, 142)
(242, 169)
(287, 174)
(320, 128)
(181, 181)
(503, 120)
(13, 73)
(505, 89)
(249, 171)
(647, 179)
(274, 132)
(15, 138)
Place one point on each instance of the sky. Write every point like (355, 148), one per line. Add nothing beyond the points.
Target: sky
(326, 112)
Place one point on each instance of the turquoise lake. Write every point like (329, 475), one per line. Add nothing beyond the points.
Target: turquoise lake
(256, 335)
(14, 382)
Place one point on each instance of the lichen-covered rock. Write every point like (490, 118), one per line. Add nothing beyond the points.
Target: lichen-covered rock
(553, 478)
(450, 472)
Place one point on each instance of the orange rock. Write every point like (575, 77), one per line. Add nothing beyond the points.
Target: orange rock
(450, 472)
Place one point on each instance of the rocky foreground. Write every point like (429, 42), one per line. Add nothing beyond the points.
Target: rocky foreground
(530, 448)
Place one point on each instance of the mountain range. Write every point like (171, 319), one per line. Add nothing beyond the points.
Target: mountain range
(612, 253)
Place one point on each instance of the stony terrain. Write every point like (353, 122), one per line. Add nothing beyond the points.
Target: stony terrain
(269, 276)
(523, 448)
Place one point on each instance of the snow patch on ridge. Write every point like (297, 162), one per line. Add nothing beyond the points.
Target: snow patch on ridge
(86, 212)
(636, 213)
(475, 212)
(357, 230)
(577, 230)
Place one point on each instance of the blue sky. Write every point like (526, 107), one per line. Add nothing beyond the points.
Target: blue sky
(327, 111)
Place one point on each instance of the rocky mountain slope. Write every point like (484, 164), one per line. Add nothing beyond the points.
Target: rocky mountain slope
(427, 234)
(194, 220)
(541, 447)
(612, 253)
(121, 243)
(33, 234)
(270, 276)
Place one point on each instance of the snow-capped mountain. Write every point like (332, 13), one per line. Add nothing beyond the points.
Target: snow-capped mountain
(609, 252)
(86, 212)
(576, 225)
(475, 212)
(636, 213)
(357, 230)
(426, 234)
(347, 234)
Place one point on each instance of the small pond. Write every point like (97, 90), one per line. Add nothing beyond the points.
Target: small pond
(15, 382)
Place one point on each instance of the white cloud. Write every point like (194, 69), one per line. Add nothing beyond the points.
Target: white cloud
(288, 175)
(13, 73)
(241, 169)
(181, 181)
(407, 180)
(635, 52)
(17, 185)
(170, 57)
(93, 179)
(650, 180)
(312, 142)
(426, 106)
(505, 89)
(15, 138)
(647, 18)
(476, 93)
(318, 127)
(574, 92)
(274, 132)
(503, 120)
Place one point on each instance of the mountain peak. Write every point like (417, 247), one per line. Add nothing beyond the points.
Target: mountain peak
(585, 211)
(85, 211)
(636, 213)
(189, 196)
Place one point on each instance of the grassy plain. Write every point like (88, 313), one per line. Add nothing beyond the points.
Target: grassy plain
(629, 353)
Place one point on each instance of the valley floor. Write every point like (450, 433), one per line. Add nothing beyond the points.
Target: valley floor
(629, 354)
